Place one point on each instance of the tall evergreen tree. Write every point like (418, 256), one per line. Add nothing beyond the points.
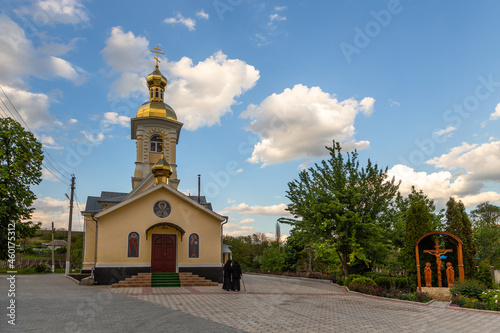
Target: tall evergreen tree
(458, 224)
(418, 222)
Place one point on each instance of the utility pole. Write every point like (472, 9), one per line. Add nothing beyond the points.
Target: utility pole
(68, 248)
(53, 266)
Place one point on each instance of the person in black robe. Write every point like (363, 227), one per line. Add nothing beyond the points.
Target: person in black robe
(227, 285)
(236, 276)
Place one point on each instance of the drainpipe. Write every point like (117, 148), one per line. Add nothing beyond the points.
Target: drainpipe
(95, 250)
(222, 237)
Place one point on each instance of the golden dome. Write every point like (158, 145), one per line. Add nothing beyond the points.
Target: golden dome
(156, 78)
(162, 170)
(156, 107)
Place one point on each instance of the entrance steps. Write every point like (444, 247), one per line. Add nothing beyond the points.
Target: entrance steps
(185, 279)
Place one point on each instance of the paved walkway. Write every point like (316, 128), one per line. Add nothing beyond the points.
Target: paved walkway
(270, 304)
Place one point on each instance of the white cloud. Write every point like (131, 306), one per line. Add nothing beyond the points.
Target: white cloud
(201, 94)
(94, 139)
(276, 17)
(482, 162)
(56, 11)
(33, 107)
(237, 230)
(476, 165)
(280, 120)
(448, 130)
(124, 52)
(54, 210)
(243, 208)
(57, 49)
(201, 14)
(496, 114)
(280, 8)
(244, 221)
(179, 19)
(48, 175)
(230, 201)
(393, 103)
(20, 59)
(115, 118)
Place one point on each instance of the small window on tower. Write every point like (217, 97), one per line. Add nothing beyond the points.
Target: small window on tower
(155, 142)
(156, 93)
(161, 94)
(151, 93)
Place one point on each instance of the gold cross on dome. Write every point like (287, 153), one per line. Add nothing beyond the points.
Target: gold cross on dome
(157, 51)
(164, 141)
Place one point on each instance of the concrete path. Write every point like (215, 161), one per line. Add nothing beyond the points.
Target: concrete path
(52, 303)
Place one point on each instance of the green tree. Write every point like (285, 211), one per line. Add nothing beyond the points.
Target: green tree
(247, 249)
(485, 214)
(458, 224)
(418, 222)
(20, 167)
(337, 200)
(486, 232)
(272, 259)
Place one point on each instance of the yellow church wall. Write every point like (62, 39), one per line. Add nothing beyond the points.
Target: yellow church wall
(88, 260)
(138, 216)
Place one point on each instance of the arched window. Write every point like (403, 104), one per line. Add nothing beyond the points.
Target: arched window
(151, 93)
(194, 246)
(161, 94)
(156, 93)
(133, 242)
(155, 143)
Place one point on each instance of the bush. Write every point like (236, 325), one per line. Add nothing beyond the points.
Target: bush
(61, 250)
(470, 288)
(42, 268)
(351, 277)
(359, 284)
(492, 299)
(407, 297)
(392, 282)
(484, 275)
(422, 297)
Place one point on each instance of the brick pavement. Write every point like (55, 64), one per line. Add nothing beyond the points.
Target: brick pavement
(275, 304)
(53, 303)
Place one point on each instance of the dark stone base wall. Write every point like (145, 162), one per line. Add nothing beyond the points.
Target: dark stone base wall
(111, 275)
(211, 273)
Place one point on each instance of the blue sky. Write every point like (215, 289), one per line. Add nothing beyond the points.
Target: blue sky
(261, 88)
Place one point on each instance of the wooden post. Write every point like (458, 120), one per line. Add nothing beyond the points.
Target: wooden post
(68, 247)
(461, 275)
(418, 269)
(53, 266)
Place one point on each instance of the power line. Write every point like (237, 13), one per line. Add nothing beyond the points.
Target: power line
(49, 160)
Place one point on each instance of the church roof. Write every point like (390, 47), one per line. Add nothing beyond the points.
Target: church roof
(94, 204)
(203, 206)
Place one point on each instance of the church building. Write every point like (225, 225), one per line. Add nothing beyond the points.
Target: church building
(155, 227)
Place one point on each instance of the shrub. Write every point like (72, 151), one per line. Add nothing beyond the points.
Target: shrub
(491, 298)
(422, 297)
(42, 268)
(470, 288)
(407, 297)
(392, 282)
(351, 277)
(484, 275)
(360, 283)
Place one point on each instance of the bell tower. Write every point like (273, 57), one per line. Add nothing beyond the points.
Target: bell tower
(155, 129)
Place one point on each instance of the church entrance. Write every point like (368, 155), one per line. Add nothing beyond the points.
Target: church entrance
(163, 253)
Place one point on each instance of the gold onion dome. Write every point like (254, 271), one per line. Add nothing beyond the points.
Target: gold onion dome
(156, 87)
(162, 170)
